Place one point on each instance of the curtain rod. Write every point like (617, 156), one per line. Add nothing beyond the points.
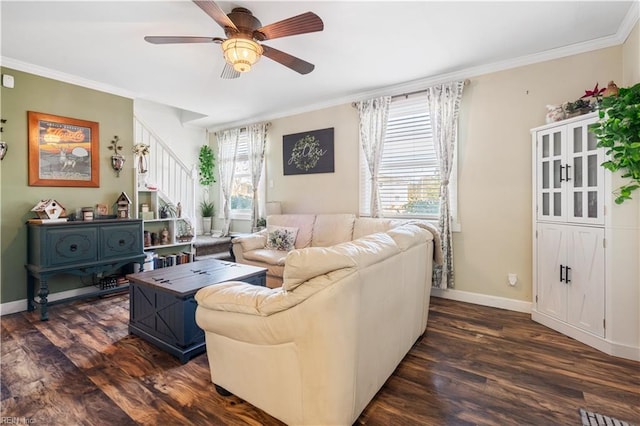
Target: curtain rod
(466, 83)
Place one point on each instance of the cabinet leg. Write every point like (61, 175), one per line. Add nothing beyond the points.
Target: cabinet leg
(43, 293)
(31, 293)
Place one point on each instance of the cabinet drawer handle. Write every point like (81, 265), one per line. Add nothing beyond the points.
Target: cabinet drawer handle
(566, 274)
(73, 247)
(561, 277)
(121, 242)
(561, 170)
(567, 173)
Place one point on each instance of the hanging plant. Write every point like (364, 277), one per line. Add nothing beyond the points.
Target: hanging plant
(206, 165)
(618, 130)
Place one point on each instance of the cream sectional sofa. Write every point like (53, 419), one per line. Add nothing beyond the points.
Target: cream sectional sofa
(316, 350)
(321, 230)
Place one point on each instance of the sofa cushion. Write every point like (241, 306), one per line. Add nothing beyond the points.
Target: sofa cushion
(304, 223)
(302, 265)
(369, 225)
(268, 256)
(331, 229)
(281, 237)
(407, 236)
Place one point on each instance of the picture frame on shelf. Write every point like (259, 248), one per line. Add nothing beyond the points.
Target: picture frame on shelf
(63, 151)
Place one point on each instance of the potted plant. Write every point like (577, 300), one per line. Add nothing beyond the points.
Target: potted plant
(207, 212)
(618, 130)
(206, 164)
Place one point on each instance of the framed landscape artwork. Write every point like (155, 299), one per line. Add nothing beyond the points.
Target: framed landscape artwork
(62, 151)
(308, 152)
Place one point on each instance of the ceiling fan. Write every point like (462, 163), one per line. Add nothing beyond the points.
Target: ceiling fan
(242, 48)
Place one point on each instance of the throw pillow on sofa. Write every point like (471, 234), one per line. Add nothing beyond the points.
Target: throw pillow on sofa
(281, 238)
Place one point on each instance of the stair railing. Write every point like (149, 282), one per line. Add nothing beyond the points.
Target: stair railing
(170, 176)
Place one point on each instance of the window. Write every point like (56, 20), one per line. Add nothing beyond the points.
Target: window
(409, 176)
(241, 193)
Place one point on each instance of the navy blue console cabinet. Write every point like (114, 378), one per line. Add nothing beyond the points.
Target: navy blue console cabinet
(79, 248)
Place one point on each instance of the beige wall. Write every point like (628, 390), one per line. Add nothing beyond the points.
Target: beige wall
(631, 58)
(32, 93)
(498, 109)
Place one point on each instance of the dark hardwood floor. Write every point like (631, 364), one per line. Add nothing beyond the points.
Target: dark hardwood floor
(474, 365)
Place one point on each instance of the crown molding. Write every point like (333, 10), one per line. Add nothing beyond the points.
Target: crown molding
(201, 120)
(628, 23)
(64, 77)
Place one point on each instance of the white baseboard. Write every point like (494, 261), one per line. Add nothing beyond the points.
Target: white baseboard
(483, 299)
(21, 305)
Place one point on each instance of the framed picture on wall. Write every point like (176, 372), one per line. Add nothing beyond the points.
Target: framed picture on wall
(308, 152)
(63, 151)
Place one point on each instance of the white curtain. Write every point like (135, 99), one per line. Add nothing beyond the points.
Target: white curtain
(227, 150)
(257, 141)
(444, 106)
(374, 114)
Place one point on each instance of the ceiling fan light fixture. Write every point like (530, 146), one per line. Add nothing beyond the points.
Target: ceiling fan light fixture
(241, 53)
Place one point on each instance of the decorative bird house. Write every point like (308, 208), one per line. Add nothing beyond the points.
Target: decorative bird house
(123, 206)
(49, 209)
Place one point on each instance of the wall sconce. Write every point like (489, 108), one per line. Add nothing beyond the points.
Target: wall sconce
(117, 160)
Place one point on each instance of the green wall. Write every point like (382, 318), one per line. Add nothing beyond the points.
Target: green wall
(33, 93)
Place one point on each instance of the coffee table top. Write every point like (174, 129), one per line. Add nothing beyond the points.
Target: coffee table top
(188, 278)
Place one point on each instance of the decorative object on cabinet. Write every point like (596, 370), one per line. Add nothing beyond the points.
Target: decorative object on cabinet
(555, 113)
(78, 248)
(123, 206)
(618, 130)
(87, 213)
(578, 107)
(583, 242)
(63, 151)
(101, 210)
(167, 210)
(164, 236)
(612, 90)
(308, 152)
(206, 165)
(595, 94)
(49, 209)
(3, 145)
(117, 160)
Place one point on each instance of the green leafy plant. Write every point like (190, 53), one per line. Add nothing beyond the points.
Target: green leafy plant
(261, 222)
(618, 130)
(206, 209)
(206, 165)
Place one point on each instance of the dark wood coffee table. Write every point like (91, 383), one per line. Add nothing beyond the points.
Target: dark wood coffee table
(162, 308)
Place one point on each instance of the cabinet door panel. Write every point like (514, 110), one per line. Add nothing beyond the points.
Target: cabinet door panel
(586, 287)
(551, 252)
(120, 240)
(68, 245)
(585, 179)
(551, 175)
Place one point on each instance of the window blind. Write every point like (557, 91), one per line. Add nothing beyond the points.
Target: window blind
(409, 175)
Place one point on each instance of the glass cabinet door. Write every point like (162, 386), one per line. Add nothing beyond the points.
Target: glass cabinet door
(551, 174)
(585, 178)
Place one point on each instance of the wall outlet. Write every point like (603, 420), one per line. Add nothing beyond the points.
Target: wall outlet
(513, 279)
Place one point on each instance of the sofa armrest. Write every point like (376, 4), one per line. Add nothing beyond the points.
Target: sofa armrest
(234, 296)
(253, 241)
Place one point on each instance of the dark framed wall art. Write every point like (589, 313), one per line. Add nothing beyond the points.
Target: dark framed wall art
(63, 151)
(308, 152)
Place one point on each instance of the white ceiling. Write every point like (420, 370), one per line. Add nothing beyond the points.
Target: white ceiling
(366, 46)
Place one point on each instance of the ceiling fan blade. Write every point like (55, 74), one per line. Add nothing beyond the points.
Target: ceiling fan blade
(181, 39)
(296, 64)
(213, 10)
(301, 24)
(228, 72)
